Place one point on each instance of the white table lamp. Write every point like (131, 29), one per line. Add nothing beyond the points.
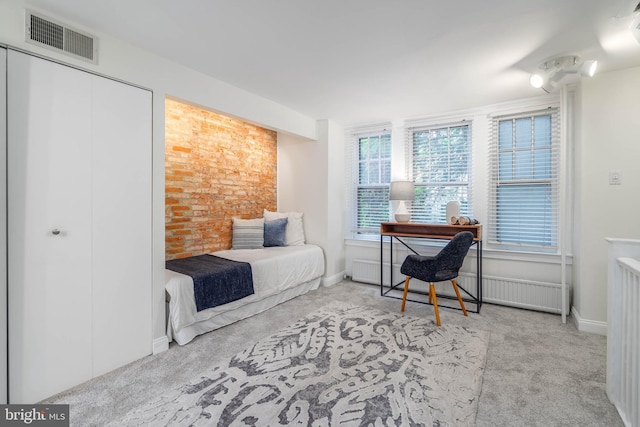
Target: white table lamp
(402, 191)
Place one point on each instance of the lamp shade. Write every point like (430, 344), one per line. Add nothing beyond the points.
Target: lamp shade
(401, 190)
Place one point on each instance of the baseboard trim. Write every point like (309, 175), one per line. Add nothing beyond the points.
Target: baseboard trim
(591, 326)
(160, 344)
(332, 280)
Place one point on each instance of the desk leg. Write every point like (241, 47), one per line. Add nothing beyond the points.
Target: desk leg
(381, 265)
(390, 262)
(479, 275)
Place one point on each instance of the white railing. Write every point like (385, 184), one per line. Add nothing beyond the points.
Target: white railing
(623, 330)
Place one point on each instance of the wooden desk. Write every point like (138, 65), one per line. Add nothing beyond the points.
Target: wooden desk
(408, 230)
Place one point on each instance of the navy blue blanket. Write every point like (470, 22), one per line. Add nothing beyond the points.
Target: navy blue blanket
(216, 280)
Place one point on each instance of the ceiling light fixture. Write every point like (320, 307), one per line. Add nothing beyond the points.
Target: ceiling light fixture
(556, 69)
(635, 24)
(536, 80)
(589, 68)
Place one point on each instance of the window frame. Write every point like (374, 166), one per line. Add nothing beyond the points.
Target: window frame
(553, 168)
(383, 215)
(466, 206)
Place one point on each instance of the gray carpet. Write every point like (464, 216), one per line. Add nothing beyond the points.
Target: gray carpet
(340, 365)
(538, 372)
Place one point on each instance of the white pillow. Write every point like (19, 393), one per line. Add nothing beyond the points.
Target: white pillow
(248, 233)
(294, 233)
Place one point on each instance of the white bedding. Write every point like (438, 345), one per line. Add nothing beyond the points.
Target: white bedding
(275, 270)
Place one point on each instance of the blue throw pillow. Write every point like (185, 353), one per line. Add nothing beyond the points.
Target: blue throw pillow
(274, 232)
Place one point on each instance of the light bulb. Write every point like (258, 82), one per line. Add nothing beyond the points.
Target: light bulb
(536, 81)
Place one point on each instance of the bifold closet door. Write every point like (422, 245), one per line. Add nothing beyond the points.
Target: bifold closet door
(122, 228)
(3, 229)
(79, 226)
(49, 227)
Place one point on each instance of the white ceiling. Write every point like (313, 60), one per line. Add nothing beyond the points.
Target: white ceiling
(364, 61)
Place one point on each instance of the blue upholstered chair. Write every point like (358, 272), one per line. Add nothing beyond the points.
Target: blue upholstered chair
(438, 268)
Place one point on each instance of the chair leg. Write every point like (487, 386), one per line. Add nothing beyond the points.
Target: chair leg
(406, 289)
(432, 291)
(455, 288)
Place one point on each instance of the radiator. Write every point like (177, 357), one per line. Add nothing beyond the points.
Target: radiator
(623, 341)
(533, 295)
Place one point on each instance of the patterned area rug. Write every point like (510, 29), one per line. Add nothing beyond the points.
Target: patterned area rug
(341, 365)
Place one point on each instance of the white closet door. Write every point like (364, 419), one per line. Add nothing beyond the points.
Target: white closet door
(3, 229)
(122, 264)
(49, 227)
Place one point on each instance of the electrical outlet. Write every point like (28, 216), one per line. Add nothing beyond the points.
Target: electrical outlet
(615, 178)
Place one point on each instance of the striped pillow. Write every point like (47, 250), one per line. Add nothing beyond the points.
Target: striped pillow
(248, 233)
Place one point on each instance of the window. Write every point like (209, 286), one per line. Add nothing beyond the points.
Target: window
(372, 182)
(441, 168)
(524, 196)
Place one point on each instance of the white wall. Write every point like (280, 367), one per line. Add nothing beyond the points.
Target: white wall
(311, 180)
(608, 139)
(122, 61)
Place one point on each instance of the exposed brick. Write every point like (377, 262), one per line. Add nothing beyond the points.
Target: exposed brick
(181, 172)
(184, 255)
(216, 168)
(174, 226)
(184, 149)
(176, 220)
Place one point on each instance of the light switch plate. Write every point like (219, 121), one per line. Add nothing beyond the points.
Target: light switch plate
(615, 178)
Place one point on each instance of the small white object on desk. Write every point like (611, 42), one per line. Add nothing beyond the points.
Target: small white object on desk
(453, 211)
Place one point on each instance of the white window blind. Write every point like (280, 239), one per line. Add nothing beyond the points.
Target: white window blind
(441, 170)
(524, 181)
(371, 166)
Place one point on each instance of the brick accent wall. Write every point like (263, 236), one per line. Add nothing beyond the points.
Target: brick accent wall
(216, 168)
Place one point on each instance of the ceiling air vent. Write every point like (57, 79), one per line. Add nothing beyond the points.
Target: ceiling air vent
(46, 32)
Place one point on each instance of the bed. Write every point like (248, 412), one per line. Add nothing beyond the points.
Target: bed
(279, 274)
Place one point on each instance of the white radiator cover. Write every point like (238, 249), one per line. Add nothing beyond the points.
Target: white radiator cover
(532, 295)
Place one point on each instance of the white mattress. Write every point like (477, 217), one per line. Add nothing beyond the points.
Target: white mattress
(274, 270)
